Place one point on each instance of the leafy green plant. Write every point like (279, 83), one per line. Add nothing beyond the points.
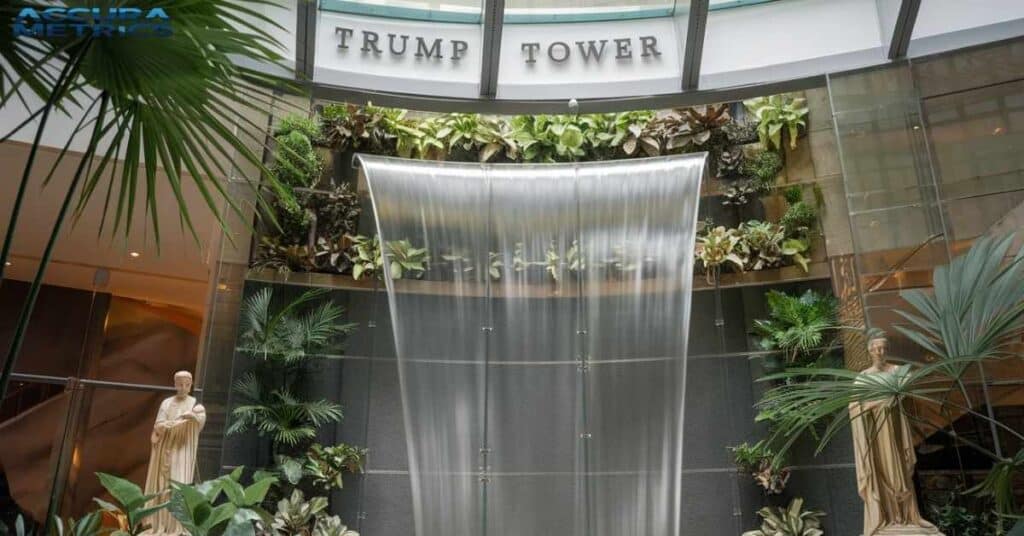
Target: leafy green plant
(332, 526)
(132, 506)
(792, 520)
(763, 241)
(730, 162)
(974, 314)
(405, 260)
(310, 127)
(717, 247)
(221, 506)
(496, 265)
(776, 115)
(798, 326)
(548, 138)
(761, 463)
(352, 127)
(88, 525)
(764, 167)
(793, 195)
(327, 465)
(955, 520)
(366, 256)
(552, 262)
(282, 340)
(297, 516)
(296, 163)
(794, 249)
(738, 195)
(575, 259)
(799, 218)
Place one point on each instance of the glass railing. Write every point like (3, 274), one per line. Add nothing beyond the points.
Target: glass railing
(522, 11)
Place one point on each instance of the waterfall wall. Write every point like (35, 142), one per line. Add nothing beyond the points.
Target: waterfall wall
(548, 400)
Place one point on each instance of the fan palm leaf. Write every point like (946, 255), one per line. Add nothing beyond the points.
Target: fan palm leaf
(181, 103)
(974, 314)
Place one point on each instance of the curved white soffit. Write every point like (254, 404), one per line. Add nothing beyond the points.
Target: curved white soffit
(752, 45)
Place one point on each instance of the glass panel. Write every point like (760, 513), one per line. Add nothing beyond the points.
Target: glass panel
(467, 11)
(527, 11)
(36, 414)
(111, 435)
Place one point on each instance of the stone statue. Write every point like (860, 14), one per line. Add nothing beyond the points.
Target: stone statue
(172, 457)
(884, 452)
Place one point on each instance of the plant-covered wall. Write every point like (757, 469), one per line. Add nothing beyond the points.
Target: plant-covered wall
(314, 224)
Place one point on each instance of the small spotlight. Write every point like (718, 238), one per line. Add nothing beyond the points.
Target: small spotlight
(134, 254)
(222, 286)
(7, 263)
(998, 131)
(917, 127)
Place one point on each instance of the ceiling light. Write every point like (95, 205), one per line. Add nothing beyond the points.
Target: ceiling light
(7, 263)
(134, 254)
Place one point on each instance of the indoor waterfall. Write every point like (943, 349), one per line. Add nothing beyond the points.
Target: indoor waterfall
(542, 354)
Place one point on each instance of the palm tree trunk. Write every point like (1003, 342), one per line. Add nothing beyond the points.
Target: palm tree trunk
(67, 75)
(33, 293)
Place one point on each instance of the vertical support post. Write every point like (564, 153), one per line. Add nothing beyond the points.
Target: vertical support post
(693, 53)
(64, 446)
(493, 21)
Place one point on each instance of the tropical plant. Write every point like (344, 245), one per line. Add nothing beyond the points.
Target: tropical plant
(738, 195)
(133, 506)
(474, 135)
(404, 260)
(974, 314)
(359, 128)
(764, 167)
(495, 266)
(799, 218)
(761, 463)
(730, 162)
(332, 526)
(326, 465)
(680, 132)
(296, 162)
(179, 104)
(337, 211)
(776, 115)
(365, 255)
(88, 525)
(310, 127)
(575, 259)
(548, 138)
(763, 242)
(798, 326)
(222, 505)
(954, 520)
(794, 249)
(297, 516)
(271, 254)
(282, 340)
(789, 521)
(289, 334)
(552, 262)
(634, 134)
(717, 247)
(709, 116)
(740, 133)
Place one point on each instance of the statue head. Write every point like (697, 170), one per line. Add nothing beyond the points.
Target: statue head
(877, 346)
(182, 382)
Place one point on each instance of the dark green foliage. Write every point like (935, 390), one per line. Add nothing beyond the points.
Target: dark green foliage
(764, 168)
(282, 339)
(296, 162)
(730, 162)
(974, 314)
(799, 218)
(798, 326)
(337, 211)
(955, 520)
(308, 127)
(131, 502)
(793, 194)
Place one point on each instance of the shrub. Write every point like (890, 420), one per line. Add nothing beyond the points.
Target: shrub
(763, 168)
(308, 127)
(799, 218)
(296, 163)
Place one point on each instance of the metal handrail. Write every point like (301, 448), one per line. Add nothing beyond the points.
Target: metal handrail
(65, 380)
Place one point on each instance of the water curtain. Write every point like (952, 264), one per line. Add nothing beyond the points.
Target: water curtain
(542, 352)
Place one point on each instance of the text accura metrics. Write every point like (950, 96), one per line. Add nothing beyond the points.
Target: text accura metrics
(94, 21)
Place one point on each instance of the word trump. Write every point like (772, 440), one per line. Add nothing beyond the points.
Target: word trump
(400, 44)
(94, 21)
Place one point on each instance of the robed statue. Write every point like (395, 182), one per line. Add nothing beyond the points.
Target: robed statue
(884, 451)
(172, 457)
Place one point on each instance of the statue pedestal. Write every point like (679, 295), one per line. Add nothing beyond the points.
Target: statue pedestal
(908, 531)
